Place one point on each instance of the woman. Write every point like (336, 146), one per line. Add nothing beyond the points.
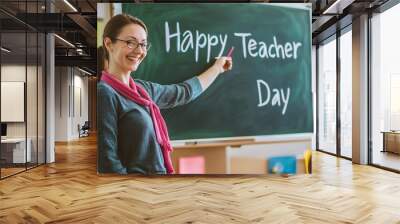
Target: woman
(132, 135)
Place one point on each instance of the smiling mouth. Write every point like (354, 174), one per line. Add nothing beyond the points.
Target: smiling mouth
(133, 59)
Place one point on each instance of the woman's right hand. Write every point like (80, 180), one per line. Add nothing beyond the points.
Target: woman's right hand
(223, 64)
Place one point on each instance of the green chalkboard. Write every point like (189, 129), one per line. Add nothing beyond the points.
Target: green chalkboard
(268, 92)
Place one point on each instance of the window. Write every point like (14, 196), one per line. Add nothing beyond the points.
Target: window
(346, 93)
(327, 96)
(385, 87)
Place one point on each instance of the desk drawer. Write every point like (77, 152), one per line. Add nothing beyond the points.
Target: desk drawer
(6, 153)
(15, 152)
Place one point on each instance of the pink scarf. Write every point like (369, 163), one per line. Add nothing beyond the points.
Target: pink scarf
(138, 95)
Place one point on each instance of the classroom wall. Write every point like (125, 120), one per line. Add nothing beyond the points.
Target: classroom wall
(71, 102)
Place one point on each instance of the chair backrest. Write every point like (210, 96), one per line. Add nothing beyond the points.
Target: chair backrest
(86, 125)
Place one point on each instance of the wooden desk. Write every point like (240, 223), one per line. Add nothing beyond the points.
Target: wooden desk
(220, 157)
(391, 141)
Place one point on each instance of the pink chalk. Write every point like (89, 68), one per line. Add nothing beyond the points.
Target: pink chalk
(230, 51)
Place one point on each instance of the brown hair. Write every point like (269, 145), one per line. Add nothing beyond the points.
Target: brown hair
(100, 62)
(114, 26)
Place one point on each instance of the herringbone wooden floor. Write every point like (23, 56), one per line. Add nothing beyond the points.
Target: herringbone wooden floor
(70, 191)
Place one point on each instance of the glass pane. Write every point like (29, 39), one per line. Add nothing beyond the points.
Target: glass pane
(13, 87)
(346, 94)
(22, 80)
(31, 101)
(41, 99)
(327, 97)
(386, 89)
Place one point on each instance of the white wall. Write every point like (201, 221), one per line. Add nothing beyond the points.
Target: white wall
(33, 127)
(61, 103)
(12, 73)
(80, 96)
(16, 73)
(71, 93)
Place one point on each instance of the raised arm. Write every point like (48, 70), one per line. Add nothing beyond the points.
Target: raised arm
(169, 96)
(221, 65)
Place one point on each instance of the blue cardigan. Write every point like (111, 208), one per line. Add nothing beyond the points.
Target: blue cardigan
(126, 138)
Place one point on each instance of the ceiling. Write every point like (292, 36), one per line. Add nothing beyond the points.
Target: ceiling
(76, 23)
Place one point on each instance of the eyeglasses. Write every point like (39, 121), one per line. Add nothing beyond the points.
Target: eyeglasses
(134, 45)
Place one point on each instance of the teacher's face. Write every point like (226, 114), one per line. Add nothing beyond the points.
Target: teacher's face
(128, 51)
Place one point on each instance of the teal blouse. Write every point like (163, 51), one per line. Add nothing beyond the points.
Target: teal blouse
(126, 138)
